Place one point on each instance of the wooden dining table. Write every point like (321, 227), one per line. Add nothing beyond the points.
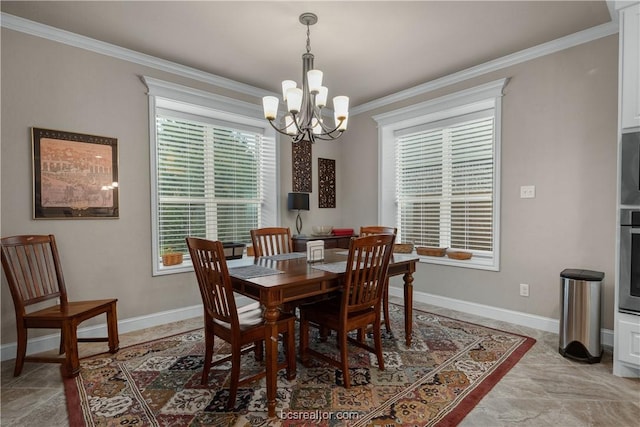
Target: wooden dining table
(285, 278)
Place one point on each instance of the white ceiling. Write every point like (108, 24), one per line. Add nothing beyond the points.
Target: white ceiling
(367, 49)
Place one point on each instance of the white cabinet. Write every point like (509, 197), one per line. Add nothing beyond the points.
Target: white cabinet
(630, 66)
(628, 348)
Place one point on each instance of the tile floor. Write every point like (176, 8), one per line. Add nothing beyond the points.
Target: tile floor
(543, 389)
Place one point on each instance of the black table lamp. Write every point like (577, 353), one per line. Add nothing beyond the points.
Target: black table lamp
(298, 201)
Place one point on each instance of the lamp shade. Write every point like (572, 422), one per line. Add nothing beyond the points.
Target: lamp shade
(321, 97)
(286, 85)
(294, 99)
(270, 104)
(341, 105)
(298, 201)
(314, 79)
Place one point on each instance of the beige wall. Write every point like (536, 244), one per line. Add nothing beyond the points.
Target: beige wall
(55, 86)
(559, 134)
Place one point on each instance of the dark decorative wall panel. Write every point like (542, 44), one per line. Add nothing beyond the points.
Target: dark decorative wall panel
(301, 159)
(327, 183)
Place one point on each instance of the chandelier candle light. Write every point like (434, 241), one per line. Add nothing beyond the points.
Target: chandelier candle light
(304, 121)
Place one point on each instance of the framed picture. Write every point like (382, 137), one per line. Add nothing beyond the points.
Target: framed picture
(74, 175)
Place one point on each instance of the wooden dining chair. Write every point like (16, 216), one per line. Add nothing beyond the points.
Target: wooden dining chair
(378, 229)
(269, 241)
(34, 274)
(359, 304)
(233, 317)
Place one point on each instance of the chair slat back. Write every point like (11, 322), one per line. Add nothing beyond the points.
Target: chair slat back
(271, 241)
(377, 229)
(366, 273)
(34, 273)
(213, 278)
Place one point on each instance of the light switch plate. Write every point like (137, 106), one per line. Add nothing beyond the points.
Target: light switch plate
(527, 191)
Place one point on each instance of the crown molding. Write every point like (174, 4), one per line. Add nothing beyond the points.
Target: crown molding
(615, 5)
(557, 45)
(72, 39)
(51, 33)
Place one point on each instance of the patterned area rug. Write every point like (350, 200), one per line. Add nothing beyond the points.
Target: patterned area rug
(449, 367)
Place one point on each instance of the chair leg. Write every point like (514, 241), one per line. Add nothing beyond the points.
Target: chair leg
(208, 355)
(385, 305)
(21, 350)
(71, 364)
(377, 339)
(235, 375)
(290, 348)
(112, 329)
(258, 351)
(61, 349)
(344, 359)
(304, 339)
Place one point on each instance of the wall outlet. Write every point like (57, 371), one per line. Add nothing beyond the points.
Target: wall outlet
(524, 290)
(527, 191)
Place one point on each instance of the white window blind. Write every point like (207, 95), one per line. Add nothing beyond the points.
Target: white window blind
(213, 170)
(209, 182)
(445, 181)
(440, 174)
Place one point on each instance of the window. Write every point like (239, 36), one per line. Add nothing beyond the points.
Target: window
(440, 171)
(213, 173)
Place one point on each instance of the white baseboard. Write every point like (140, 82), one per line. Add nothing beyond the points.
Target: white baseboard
(523, 319)
(51, 342)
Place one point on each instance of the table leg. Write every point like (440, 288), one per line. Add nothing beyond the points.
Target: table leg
(271, 361)
(408, 307)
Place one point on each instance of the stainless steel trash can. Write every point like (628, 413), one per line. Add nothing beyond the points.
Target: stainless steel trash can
(580, 314)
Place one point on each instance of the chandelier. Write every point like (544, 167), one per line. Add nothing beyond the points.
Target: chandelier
(304, 121)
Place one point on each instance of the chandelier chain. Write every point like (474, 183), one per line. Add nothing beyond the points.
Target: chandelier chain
(308, 39)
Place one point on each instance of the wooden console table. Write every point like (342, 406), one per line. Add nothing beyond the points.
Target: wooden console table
(330, 242)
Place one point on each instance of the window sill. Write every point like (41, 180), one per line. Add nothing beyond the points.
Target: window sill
(477, 262)
(162, 270)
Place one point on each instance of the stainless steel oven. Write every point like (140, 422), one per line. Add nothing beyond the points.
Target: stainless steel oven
(629, 285)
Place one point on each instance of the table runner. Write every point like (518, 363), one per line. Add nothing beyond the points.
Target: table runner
(251, 271)
(332, 267)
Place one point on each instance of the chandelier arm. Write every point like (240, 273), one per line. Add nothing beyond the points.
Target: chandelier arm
(328, 136)
(328, 130)
(298, 128)
(302, 136)
(282, 131)
(317, 114)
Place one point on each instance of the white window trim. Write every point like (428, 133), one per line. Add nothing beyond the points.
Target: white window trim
(488, 95)
(171, 95)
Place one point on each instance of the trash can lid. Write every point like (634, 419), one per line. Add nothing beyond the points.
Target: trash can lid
(579, 274)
